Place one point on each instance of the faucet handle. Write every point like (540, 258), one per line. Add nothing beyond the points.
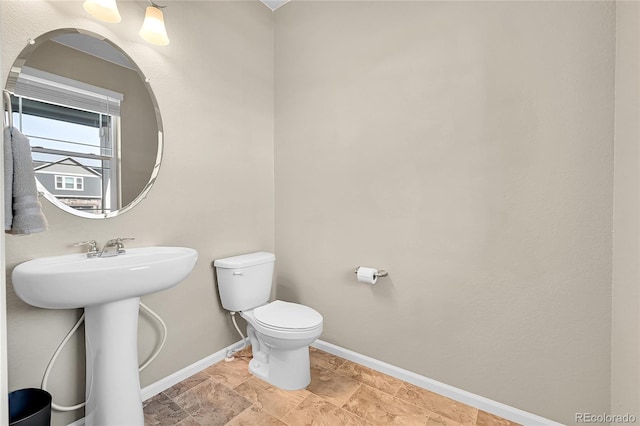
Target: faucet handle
(118, 240)
(93, 247)
(119, 243)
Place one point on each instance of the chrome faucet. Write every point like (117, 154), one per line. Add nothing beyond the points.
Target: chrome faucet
(93, 247)
(114, 247)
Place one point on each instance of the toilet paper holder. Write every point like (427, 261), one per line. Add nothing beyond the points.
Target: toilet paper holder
(381, 273)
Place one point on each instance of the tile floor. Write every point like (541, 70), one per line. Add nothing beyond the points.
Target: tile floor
(340, 393)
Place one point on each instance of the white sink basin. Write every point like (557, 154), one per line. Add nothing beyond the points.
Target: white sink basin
(76, 281)
(109, 290)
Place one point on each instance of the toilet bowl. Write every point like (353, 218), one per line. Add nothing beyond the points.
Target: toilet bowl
(280, 332)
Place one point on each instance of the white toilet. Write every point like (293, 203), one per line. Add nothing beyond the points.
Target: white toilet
(280, 332)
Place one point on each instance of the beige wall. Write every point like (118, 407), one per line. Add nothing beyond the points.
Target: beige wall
(467, 147)
(625, 332)
(214, 85)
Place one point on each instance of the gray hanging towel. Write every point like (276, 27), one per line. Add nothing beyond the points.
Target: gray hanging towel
(26, 211)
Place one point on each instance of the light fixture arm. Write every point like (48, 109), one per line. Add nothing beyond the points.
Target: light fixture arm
(157, 6)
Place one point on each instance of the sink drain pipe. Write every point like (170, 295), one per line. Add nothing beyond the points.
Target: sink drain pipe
(71, 332)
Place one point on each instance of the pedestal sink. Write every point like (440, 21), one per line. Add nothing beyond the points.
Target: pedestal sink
(109, 290)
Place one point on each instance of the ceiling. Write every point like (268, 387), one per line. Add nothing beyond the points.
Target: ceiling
(274, 4)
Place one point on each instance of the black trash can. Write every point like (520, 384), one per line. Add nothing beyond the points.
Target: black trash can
(29, 407)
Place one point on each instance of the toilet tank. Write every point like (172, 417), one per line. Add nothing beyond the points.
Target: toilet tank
(244, 282)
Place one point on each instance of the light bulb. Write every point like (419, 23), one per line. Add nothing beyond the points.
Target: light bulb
(153, 29)
(105, 10)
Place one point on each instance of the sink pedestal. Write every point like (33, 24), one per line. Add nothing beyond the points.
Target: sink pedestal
(109, 290)
(113, 382)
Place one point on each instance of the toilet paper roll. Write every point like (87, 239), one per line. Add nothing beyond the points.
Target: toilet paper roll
(367, 275)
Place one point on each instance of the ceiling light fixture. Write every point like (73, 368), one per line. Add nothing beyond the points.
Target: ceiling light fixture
(153, 29)
(104, 10)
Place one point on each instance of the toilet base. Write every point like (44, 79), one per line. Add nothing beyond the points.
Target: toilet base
(288, 369)
(280, 358)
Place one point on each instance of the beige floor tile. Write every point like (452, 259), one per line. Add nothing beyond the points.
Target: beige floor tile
(211, 403)
(439, 420)
(186, 384)
(189, 421)
(332, 386)
(160, 410)
(251, 388)
(370, 377)
(275, 401)
(487, 419)
(340, 393)
(323, 359)
(438, 404)
(230, 373)
(254, 416)
(315, 411)
(244, 353)
(380, 408)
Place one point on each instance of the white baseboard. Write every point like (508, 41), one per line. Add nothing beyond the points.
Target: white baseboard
(468, 398)
(180, 375)
(480, 402)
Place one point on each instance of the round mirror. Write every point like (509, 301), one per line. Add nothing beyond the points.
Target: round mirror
(92, 121)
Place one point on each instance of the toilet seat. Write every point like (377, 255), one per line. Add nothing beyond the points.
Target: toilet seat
(285, 316)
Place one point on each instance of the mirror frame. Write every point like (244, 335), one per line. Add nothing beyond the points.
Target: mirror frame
(12, 79)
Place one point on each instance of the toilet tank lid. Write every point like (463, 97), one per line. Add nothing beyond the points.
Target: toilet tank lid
(245, 260)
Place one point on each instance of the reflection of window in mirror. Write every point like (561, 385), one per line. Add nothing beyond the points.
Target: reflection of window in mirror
(69, 182)
(73, 129)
